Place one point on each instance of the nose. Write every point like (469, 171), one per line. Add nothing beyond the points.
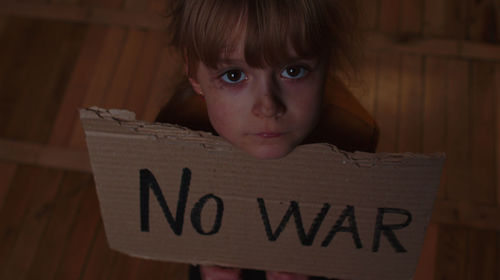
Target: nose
(268, 102)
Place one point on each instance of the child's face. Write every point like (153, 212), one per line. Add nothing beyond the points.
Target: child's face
(267, 111)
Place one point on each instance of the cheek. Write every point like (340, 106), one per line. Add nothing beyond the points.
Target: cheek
(223, 116)
(305, 102)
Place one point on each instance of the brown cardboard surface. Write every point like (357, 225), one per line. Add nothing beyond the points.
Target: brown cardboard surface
(342, 207)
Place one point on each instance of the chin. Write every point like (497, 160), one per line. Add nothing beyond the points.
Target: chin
(268, 152)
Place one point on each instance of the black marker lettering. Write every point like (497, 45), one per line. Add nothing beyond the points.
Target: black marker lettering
(352, 228)
(305, 239)
(148, 181)
(388, 229)
(196, 214)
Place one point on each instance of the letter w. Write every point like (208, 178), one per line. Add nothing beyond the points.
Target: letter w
(305, 239)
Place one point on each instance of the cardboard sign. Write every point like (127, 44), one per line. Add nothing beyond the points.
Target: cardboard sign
(169, 193)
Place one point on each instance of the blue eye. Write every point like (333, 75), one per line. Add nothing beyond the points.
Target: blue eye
(233, 76)
(294, 72)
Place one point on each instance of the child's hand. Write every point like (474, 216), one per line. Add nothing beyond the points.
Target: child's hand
(270, 275)
(219, 273)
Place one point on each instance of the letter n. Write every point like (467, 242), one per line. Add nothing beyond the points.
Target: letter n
(147, 182)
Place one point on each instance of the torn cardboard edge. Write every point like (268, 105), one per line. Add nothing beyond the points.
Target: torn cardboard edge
(173, 194)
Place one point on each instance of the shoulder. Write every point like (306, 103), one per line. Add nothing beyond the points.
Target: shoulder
(344, 122)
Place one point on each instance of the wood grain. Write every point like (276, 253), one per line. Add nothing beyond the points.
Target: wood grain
(389, 16)
(482, 134)
(434, 110)
(24, 217)
(387, 102)
(427, 262)
(107, 61)
(411, 15)
(458, 153)
(482, 255)
(100, 256)
(410, 124)
(140, 85)
(451, 253)
(497, 128)
(77, 87)
(55, 237)
(125, 70)
(76, 250)
(7, 172)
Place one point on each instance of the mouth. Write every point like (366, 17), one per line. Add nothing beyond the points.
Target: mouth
(269, 134)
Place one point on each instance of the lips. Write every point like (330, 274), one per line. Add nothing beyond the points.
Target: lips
(269, 134)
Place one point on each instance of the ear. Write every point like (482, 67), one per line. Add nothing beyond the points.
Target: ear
(192, 79)
(195, 85)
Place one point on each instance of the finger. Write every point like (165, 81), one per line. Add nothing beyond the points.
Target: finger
(271, 275)
(219, 273)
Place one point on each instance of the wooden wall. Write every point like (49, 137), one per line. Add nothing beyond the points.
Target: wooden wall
(431, 78)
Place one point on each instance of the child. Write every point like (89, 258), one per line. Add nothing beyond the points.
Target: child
(263, 74)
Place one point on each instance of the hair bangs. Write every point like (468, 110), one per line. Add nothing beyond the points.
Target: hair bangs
(274, 31)
(278, 31)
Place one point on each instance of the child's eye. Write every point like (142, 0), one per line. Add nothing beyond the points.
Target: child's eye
(233, 76)
(294, 72)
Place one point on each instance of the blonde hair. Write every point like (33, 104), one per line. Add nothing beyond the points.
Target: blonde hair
(203, 30)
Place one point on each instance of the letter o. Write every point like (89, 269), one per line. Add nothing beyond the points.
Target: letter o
(196, 214)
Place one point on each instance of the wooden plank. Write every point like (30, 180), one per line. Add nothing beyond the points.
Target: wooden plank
(26, 224)
(125, 71)
(170, 66)
(369, 11)
(7, 172)
(49, 156)
(55, 236)
(410, 125)
(466, 214)
(497, 128)
(123, 267)
(482, 134)
(3, 22)
(457, 166)
(106, 68)
(433, 46)
(389, 16)
(77, 87)
(433, 25)
(15, 39)
(135, 5)
(158, 7)
(434, 110)
(427, 262)
(387, 102)
(42, 71)
(481, 21)
(100, 256)
(482, 255)
(444, 18)
(451, 253)
(108, 4)
(74, 256)
(481, 51)
(100, 12)
(411, 17)
(141, 84)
